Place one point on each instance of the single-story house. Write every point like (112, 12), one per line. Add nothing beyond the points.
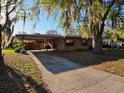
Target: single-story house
(57, 42)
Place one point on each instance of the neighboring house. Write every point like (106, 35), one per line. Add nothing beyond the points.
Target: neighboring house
(57, 42)
(107, 43)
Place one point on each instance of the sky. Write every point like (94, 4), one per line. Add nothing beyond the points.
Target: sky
(44, 23)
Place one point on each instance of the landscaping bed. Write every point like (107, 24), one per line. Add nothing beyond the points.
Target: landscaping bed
(20, 74)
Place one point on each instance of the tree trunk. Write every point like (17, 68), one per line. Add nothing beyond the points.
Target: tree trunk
(97, 44)
(1, 56)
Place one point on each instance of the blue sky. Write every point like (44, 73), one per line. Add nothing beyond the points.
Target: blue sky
(44, 23)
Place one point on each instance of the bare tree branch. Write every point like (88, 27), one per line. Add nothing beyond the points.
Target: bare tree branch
(12, 10)
(105, 16)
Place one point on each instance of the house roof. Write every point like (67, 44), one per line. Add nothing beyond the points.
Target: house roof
(43, 36)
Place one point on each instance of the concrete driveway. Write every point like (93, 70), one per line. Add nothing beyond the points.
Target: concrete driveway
(64, 76)
(57, 64)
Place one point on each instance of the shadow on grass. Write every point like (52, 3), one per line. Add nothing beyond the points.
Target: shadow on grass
(12, 81)
(62, 61)
(89, 58)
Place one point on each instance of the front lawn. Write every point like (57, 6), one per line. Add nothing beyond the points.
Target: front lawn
(9, 52)
(21, 74)
(114, 67)
(111, 60)
(89, 58)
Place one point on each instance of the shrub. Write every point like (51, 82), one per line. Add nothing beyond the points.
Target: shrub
(18, 49)
(16, 45)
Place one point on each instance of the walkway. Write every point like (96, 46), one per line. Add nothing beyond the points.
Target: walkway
(64, 76)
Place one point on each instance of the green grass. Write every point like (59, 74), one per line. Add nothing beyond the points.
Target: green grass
(9, 52)
(23, 70)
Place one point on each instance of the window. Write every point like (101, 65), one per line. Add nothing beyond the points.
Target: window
(84, 42)
(69, 42)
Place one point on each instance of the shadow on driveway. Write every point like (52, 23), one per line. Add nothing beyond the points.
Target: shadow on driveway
(57, 64)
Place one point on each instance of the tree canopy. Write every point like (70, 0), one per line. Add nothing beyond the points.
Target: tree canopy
(97, 15)
(91, 17)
